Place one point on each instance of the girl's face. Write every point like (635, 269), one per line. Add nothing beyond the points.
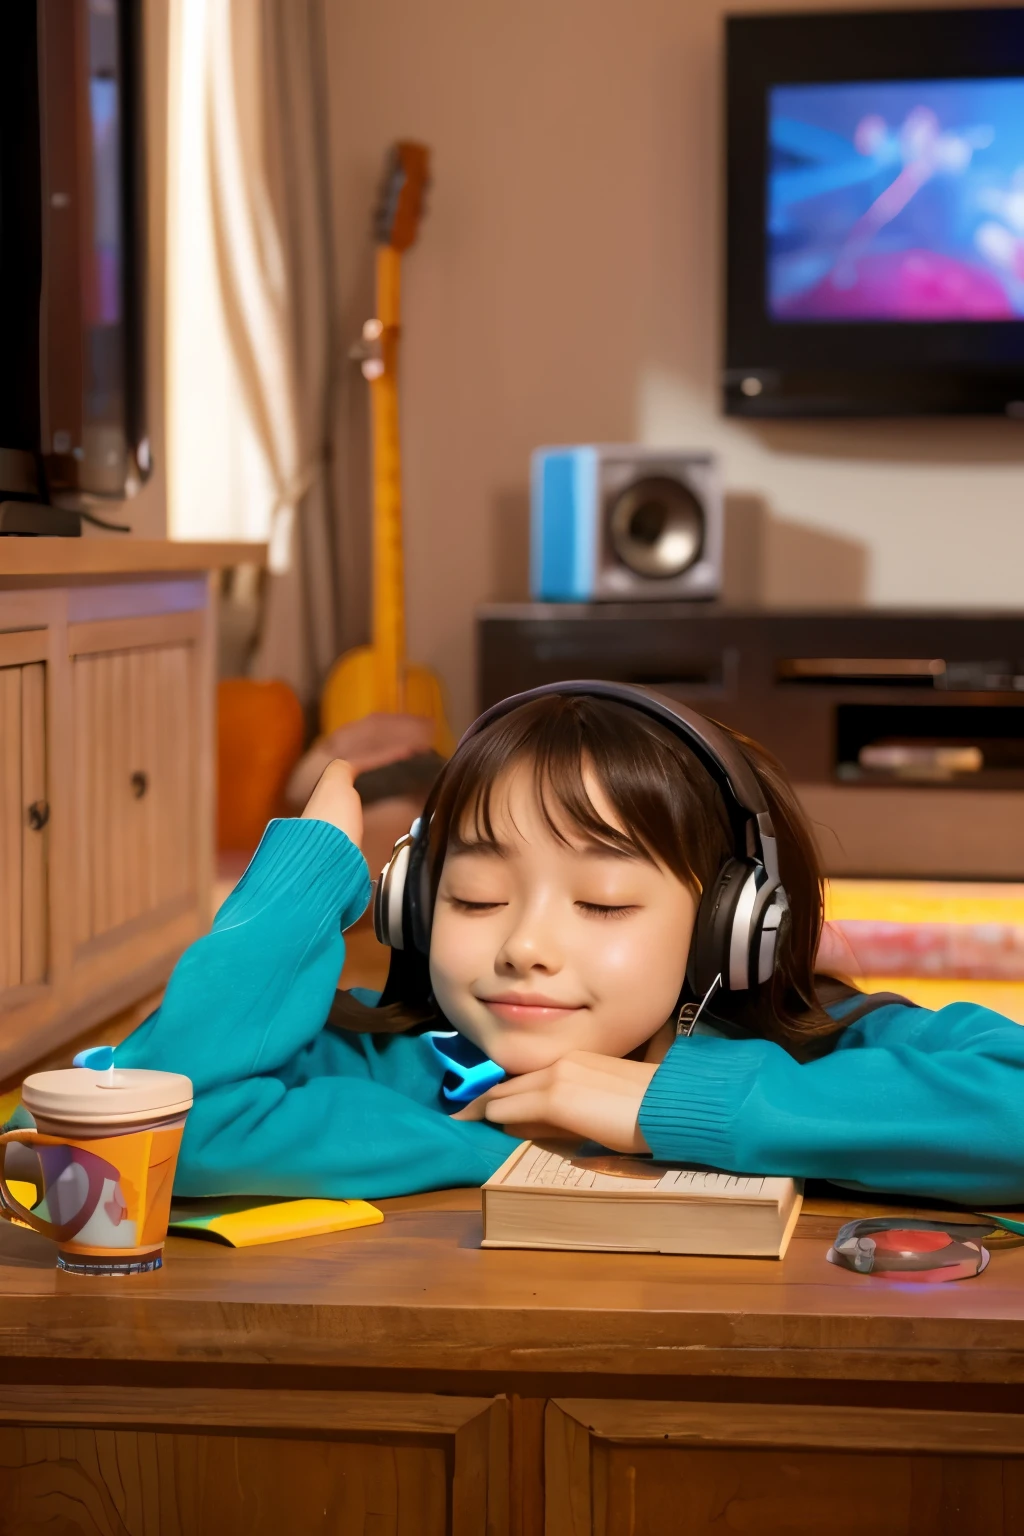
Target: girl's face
(540, 947)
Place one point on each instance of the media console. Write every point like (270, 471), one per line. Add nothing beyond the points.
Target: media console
(903, 731)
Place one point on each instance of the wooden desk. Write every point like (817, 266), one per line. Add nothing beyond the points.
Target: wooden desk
(399, 1379)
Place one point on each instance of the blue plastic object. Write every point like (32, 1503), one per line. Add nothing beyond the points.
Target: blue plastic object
(99, 1057)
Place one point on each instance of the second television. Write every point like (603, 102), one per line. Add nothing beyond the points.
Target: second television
(875, 213)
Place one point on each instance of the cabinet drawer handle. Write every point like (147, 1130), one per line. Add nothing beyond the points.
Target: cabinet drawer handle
(140, 783)
(38, 814)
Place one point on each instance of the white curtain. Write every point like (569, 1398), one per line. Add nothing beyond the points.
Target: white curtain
(263, 137)
(219, 485)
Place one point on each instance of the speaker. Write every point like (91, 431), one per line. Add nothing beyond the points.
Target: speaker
(617, 523)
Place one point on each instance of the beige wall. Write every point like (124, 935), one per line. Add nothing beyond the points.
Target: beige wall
(567, 288)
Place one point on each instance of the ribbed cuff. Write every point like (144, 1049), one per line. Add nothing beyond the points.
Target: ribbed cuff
(690, 1110)
(310, 861)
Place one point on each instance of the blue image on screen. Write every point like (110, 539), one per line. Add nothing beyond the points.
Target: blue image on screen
(898, 201)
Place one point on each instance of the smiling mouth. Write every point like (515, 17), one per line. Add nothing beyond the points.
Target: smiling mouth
(529, 1010)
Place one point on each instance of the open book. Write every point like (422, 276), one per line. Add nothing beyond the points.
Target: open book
(552, 1196)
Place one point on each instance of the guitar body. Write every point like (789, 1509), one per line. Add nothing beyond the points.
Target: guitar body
(352, 691)
(376, 678)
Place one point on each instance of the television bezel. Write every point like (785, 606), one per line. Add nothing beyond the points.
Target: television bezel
(805, 368)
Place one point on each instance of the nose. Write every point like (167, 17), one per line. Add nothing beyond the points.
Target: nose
(530, 945)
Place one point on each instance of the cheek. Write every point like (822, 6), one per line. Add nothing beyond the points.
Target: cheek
(639, 965)
(458, 951)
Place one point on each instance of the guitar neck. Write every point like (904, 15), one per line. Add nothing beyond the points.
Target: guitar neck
(388, 563)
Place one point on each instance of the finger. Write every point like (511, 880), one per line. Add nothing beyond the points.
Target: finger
(518, 1110)
(539, 1131)
(568, 1072)
(527, 1082)
(474, 1110)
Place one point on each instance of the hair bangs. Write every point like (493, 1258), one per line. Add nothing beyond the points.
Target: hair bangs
(635, 763)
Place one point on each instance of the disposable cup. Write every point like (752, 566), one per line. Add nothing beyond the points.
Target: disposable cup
(102, 1157)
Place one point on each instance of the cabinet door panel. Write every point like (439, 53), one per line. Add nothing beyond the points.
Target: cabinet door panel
(150, 1461)
(686, 1469)
(23, 843)
(172, 772)
(135, 743)
(34, 836)
(10, 827)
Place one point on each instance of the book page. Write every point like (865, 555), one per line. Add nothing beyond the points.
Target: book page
(561, 1168)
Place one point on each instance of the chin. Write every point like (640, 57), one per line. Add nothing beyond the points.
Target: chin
(519, 1056)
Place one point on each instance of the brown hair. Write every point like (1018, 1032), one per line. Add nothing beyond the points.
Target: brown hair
(671, 811)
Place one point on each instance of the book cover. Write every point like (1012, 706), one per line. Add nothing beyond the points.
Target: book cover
(551, 1195)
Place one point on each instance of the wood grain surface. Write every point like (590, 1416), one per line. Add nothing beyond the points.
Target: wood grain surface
(118, 1461)
(418, 1293)
(112, 556)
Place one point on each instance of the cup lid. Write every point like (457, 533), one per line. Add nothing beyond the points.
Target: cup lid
(111, 1098)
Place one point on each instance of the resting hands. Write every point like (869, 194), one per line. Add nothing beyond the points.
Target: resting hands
(596, 1098)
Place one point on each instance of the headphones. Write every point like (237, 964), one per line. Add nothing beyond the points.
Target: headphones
(736, 935)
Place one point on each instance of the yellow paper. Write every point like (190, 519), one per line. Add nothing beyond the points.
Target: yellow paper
(273, 1223)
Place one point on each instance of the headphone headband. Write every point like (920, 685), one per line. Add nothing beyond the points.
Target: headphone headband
(740, 916)
(713, 749)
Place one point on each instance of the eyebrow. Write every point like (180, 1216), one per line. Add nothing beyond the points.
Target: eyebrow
(458, 845)
(592, 849)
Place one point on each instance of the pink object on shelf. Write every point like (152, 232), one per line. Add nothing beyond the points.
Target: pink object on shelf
(976, 951)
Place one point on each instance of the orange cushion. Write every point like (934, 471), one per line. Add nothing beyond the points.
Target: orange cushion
(260, 735)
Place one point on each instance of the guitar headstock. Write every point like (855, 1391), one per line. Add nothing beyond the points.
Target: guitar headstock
(396, 220)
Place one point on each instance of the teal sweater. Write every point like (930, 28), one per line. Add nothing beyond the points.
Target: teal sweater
(908, 1101)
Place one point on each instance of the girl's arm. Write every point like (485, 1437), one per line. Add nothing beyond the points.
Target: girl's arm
(283, 1106)
(911, 1102)
(335, 1137)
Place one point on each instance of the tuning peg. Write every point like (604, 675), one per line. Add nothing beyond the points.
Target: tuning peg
(367, 351)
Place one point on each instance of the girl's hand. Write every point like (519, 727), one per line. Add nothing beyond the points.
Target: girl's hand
(594, 1097)
(368, 743)
(334, 799)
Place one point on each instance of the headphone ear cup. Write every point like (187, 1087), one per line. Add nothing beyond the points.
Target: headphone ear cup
(389, 897)
(771, 929)
(712, 933)
(416, 909)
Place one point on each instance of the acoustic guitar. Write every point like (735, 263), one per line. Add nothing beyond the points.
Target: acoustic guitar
(377, 678)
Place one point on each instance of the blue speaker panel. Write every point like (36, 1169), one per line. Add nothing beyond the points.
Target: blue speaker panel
(563, 524)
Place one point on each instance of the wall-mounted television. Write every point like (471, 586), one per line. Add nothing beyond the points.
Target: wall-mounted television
(875, 213)
(72, 250)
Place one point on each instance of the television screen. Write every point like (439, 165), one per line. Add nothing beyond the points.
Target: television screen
(72, 249)
(875, 213)
(896, 200)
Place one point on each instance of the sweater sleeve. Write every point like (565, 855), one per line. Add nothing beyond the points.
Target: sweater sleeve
(911, 1102)
(255, 990)
(282, 1105)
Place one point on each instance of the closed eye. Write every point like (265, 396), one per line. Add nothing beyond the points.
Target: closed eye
(598, 909)
(475, 906)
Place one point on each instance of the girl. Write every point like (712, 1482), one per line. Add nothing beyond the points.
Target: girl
(587, 859)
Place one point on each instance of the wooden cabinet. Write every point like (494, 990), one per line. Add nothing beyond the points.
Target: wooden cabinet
(24, 817)
(692, 1469)
(135, 696)
(143, 1462)
(106, 777)
(400, 1380)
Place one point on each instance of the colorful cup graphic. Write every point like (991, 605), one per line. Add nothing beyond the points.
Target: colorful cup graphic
(102, 1158)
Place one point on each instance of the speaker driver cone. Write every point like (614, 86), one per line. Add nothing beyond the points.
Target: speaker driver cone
(656, 527)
